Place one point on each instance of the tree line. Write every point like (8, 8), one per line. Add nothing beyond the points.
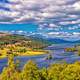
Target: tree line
(31, 71)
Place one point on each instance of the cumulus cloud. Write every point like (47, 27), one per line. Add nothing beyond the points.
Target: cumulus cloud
(65, 35)
(51, 14)
(22, 10)
(77, 5)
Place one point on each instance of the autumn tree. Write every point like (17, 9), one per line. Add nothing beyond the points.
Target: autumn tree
(30, 71)
(55, 70)
(71, 72)
(44, 73)
(10, 72)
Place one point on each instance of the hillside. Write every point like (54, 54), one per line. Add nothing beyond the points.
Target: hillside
(3, 34)
(23, 41)
(59, 41)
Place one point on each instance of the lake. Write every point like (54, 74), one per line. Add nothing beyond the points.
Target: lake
(58, 55)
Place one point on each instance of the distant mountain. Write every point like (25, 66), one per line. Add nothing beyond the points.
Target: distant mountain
(45, 38)
(57, 40)
(53, 40)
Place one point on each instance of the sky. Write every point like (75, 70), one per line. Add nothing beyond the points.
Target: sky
(51, 18)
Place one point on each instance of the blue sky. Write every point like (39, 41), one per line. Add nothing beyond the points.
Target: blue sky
(47, 17)
(18, 27)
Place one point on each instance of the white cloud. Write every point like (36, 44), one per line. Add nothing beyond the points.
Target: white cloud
(64, 35)
(77, 5)
(36, 9)
(68, 22)
(50, 14)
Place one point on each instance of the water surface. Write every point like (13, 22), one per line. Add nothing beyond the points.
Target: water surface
(58, 55)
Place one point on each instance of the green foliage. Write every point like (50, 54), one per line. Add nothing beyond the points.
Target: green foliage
(44, 74)
(10, 72)
(78, 52)
(55, 70)
(31, 71)
(71, 72)
(49, 57)
(72, 49)
(29, 42)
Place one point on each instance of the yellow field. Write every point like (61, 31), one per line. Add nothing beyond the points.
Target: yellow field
(17, 50)
(27, 53)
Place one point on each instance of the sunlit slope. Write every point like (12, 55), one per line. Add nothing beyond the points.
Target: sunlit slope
(20, 45)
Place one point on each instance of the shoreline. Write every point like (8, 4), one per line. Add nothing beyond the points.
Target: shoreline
(29, 53)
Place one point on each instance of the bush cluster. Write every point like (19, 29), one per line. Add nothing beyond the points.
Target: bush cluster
(31, 71)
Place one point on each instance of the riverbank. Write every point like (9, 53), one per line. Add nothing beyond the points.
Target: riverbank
(27, 53)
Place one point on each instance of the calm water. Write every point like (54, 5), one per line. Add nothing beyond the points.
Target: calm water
(58, 56)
